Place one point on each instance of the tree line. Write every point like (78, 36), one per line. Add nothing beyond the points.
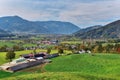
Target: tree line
(5, 48)
(94, 48)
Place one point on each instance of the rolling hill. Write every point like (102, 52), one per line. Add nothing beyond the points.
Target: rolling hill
(16, 24)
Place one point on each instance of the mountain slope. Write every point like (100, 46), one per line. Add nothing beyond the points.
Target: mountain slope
(18, 25)
(3, 32)
(58, 27)
(108, 31)
(82, 31)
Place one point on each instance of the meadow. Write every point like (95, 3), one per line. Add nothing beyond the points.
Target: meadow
(11, 43)
(72, 42)
(72, 67)
(8, 43)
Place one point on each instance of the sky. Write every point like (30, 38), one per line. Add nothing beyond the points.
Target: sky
(83, 13)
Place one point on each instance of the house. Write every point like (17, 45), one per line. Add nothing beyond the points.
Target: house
(46, 42)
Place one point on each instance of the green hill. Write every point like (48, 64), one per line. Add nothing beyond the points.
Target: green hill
(72, 67)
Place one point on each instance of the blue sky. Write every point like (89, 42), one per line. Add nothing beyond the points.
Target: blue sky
(83, 13)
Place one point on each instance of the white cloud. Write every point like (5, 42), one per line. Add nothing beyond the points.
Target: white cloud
(81, 12)
(86, 14)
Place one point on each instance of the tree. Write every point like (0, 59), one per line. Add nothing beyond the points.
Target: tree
(95, 49)
(100, 48)
(118, 50)
(49, 50)
(18, 48)
(60, 50)
(10, 55)
(34, 51)
(3, 48)
(70, 48)
(82, 46)
(109, 48)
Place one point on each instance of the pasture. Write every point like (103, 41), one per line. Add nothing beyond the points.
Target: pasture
(72, 42)
(8, 43)
(73, 67)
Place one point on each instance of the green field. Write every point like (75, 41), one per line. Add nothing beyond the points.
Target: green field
(72, 42)
(11, 43)
(8, 43)
(29, 45)
(72, 67)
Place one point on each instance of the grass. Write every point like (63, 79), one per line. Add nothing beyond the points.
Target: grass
(72, 42)
(47, 76)
(8, 43)
(73, 67)
(99, 64)
(14, 42)
(29, 45)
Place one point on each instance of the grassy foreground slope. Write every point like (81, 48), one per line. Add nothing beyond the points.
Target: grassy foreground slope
(73, 67)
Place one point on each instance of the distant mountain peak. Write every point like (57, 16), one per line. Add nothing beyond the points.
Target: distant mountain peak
(15, 16)
(20, 25)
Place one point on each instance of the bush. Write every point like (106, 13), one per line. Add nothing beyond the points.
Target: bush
(49, 50)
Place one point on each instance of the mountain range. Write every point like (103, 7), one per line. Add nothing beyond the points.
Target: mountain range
(16, 24)
(111, 30)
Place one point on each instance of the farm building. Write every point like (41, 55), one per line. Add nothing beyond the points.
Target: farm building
(26, 61)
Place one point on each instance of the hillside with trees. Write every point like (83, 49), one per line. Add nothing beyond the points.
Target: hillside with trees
(110, 30)
(16, 24)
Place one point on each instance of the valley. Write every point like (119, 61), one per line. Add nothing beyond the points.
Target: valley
(84, 54)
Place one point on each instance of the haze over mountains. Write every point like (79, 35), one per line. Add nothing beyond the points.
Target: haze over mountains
(16, 24)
